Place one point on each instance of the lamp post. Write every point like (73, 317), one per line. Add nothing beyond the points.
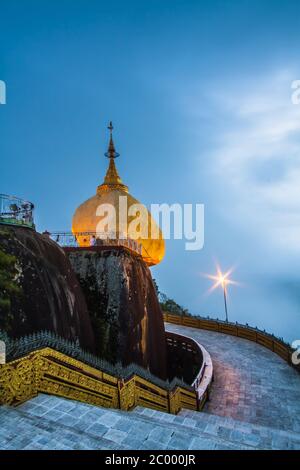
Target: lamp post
(225, 300)
(222, 280)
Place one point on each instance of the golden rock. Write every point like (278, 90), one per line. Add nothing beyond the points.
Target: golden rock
(113, 192)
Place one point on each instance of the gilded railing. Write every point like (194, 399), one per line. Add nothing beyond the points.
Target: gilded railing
(52, 372)
(276, 345)
(47, 370)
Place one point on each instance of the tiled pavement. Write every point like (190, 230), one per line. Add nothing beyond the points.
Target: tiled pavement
(251, 383)
(254, 405)
(48, 422)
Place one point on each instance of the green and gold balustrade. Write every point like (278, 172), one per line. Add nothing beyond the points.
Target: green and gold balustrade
(51, 372)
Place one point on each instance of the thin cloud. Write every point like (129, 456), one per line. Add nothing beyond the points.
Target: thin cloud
(259, 152)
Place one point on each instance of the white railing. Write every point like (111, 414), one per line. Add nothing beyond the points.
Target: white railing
(204, 377)
(93, 239)
(16, 211)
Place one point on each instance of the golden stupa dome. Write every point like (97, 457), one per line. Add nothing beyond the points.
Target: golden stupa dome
(113, 192)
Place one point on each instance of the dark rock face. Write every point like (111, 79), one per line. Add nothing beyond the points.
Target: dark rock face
(51, 297)
(123, 305)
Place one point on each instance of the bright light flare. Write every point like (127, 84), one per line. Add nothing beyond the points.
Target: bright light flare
(220, 279)
(223, 280)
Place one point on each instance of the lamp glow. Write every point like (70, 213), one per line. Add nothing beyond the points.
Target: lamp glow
(223, 280)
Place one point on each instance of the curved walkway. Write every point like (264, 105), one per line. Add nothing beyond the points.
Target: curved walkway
(255, 404)
(251, 383)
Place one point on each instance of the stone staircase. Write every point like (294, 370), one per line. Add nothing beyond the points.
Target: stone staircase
(228, 429)
(49, 422)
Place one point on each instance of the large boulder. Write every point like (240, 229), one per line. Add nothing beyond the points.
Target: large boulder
(49, 297)
(123, 305)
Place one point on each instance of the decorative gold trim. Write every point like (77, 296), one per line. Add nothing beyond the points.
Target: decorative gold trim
(105, 188)
(49, 371)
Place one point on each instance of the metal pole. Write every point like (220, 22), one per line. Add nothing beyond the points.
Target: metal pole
(225, 303)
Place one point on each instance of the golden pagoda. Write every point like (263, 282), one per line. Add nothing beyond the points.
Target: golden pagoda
(113, 192)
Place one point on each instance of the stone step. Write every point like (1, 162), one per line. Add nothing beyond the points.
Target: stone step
(52, 422)
(49, 422)
(142, 433)
(241, 425)
(20, 430)
(164, 425)
(260, 437)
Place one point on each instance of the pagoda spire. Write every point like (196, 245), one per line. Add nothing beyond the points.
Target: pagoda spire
(112, 179)
(111, 152)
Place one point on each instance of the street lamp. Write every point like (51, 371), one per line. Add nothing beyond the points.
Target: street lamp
(223, 281)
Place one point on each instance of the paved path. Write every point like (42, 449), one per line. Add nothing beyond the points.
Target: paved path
(251, 383)
(255, 404)
(49, 422)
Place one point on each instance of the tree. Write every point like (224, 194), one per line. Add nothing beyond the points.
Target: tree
(169, 305)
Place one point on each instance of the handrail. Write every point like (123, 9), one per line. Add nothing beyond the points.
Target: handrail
(73, 239)
(16, 211)
(277, 345)
(203, 380)
(44, 362)
(52, 372)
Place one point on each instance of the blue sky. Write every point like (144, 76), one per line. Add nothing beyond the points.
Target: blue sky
(200, 96)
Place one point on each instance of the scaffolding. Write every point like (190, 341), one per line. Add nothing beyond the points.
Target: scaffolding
(16, 211)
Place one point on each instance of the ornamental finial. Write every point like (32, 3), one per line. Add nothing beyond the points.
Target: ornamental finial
(110, 127)
(111, 152)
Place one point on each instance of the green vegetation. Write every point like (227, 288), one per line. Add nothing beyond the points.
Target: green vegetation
(169, 305)
(8, 288)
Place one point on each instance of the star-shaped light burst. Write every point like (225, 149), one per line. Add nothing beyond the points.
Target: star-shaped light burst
(223, 280)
